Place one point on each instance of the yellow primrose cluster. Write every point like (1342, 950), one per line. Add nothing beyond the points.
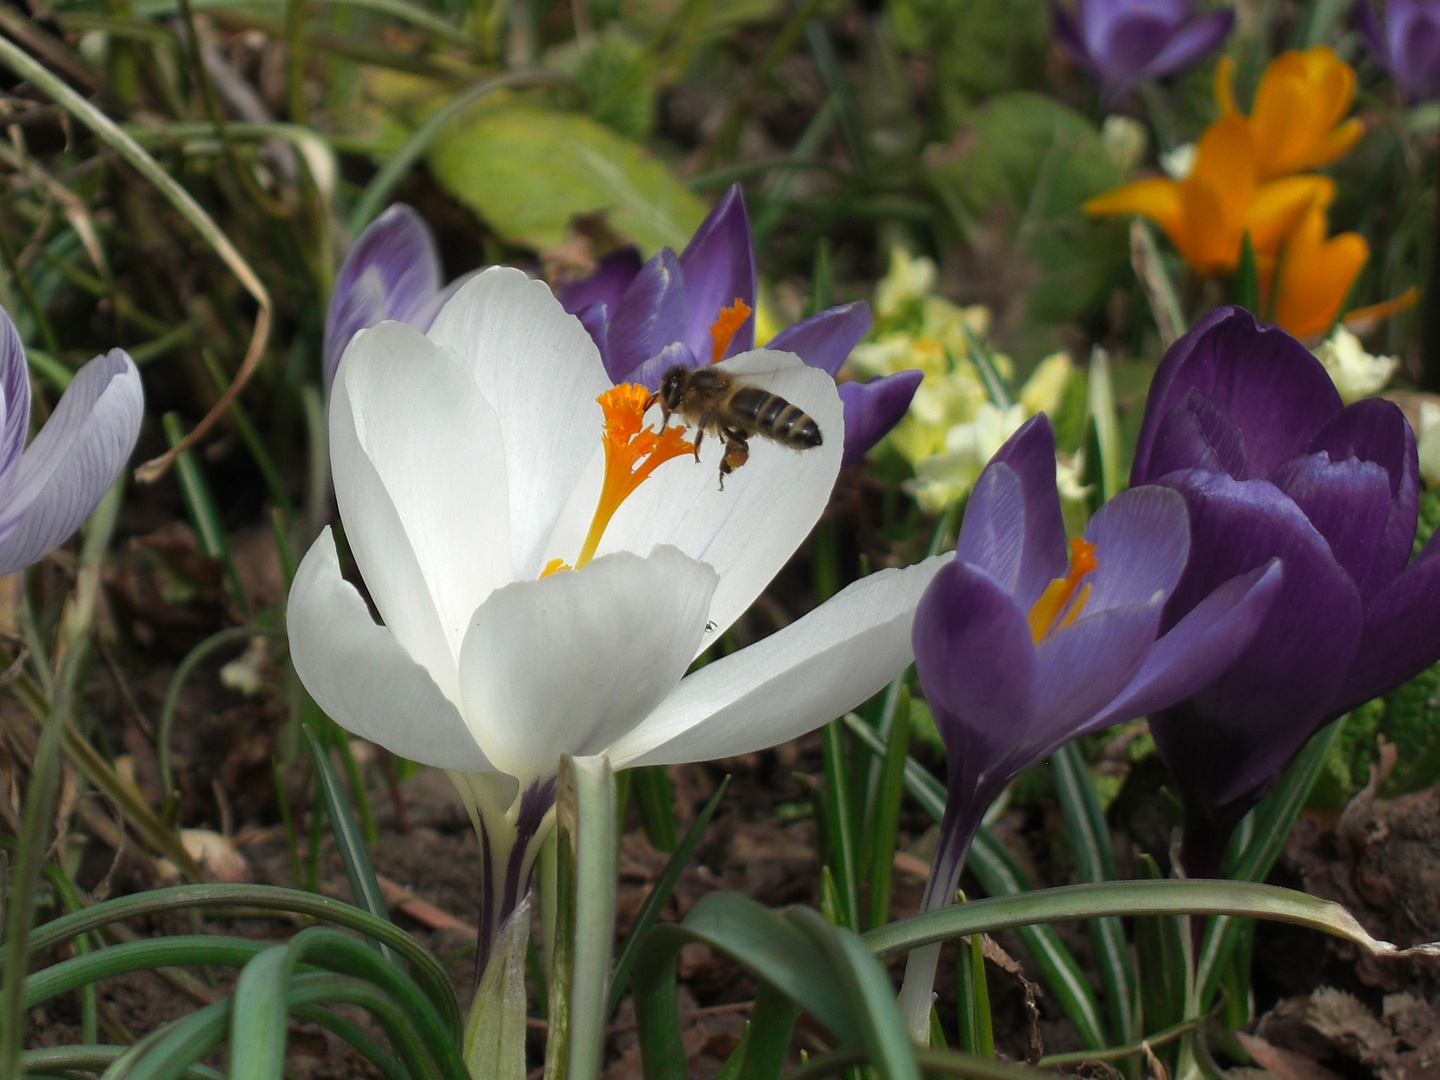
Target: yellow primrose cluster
(952, 428)
(1248, 176)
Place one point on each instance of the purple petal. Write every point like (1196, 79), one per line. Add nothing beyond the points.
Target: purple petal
(719, 268)
(1376, 430)
(649, 316)
(976, 663)
(649, 374)
(74, 459)
(1347, 501)
(14, 397)
(606, 284)
(392, 272)
(1083, 667)
(992, 536)
(1272, 698)
(873, 408)
(1067, 36)
(1192, 41)
(1370, 33)
(1200, 647)
(596, 320)
(825, 340)
(1401, 637)
(1416, 51)
(1131, 44)
(1031, 453)
(1274, 391)
(1198, 434)
(1142, 539)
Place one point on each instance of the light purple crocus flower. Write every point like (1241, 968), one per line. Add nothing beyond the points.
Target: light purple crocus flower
(392, 272)
(48, 488)
(1408, 46)
(647, 318)
(1245, 424)
(1124, 43)
(1020, 648)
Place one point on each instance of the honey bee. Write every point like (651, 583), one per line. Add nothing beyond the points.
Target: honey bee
(716, 401)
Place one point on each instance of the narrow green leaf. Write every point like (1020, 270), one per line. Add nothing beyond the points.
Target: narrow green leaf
(1155, 280)
(979, 354)
(1247, 279)
(651, 786)
(349, 840)
(495, 1028)
(65, 1060)
(660, 893)
(203, 514)
(884, 821)
(259, 1017)
(1160, 946)
(1101, 403)
(772, 1022)
(840, 824)
(89, 968)
(1095, 862)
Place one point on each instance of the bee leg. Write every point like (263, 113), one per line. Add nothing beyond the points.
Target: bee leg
(737, 452)
(706, 419)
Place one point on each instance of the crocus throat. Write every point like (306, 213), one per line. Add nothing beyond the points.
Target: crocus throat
(723, 328)
(1061, 602)
(632, 453)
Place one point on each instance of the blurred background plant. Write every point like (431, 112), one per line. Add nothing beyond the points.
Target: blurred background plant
(183, 179)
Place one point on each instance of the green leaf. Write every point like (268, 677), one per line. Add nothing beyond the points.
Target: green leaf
(1160, 947)
(259, 1018)
(529, 171)
(1034, 161)
(495, 1028)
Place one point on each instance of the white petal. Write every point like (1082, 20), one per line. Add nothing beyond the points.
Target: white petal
(793, 681)
(568, 663)
(362, 677)
(541, 373)
(748, 531)
(74, 459)
(435, 445)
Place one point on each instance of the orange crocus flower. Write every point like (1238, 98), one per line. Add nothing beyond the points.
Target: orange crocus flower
(1207, 214)
(1305, 285)
(1296, 119)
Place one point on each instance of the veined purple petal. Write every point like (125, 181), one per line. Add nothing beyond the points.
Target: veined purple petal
(392, 272)
(1198, 434)
(1347, 501)
(1031, 453)
(992, 535)
(653, 370)
(719, 268)
(1276, 393)
(825, 340)
(649, 316)
(1190, 42)
(1401, 637)
(1266, 704)
(976, 663)
(73, 461)
(1199, 648)
(1142, 539)
(14, 398)
(873, 408)
(1081, 668)
(596, 320)
(606, 284)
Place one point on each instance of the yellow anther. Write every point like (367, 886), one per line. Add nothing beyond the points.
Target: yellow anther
(1061, 602)
(554, 566)
(723, 328)
(632, 453)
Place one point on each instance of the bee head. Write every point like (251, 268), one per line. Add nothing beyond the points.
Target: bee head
(672, 386)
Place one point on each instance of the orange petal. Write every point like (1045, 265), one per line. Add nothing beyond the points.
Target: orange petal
(1333, 144)
(1157, 199)
(1312, 285)
(1225, 85)
(1279, 205)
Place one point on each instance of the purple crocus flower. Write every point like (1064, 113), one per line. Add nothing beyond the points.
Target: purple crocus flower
(1244, 423)
(1021, 649)
(1409, 45)
(694, 308)
(392, 272)
(1126, 42)
(48, 488)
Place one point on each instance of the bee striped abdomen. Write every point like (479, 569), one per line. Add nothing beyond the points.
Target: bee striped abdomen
(776, 418)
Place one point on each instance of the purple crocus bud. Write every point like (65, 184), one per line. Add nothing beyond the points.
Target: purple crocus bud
(392, 272)
(1244, 423)
(1021, 648)
(48, 488)
(1126, 42)
(873, 408)
(1409, 45)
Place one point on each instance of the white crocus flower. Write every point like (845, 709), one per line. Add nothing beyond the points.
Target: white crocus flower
(471, 474)
(1356, 373)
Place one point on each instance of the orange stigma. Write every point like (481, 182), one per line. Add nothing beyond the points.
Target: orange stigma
(632, 453)
(723, 328)
(1050, 613)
